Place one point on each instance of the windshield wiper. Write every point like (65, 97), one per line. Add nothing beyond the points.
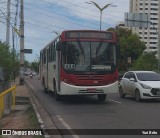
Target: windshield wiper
(80, 47)
(99, 47)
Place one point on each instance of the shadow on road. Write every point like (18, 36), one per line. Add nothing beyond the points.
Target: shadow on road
(74, 99)
(130, 98)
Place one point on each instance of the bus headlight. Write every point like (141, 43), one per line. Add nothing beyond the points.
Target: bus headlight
(67, 80)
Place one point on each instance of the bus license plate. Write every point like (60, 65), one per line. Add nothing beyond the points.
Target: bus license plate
(91, 90)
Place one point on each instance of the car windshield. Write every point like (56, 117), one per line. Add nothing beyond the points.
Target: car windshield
(148, 76)
(89, 57)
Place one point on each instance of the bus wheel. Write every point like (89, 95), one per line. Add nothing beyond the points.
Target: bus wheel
(45, 89)
(57, 96)
(101, 97)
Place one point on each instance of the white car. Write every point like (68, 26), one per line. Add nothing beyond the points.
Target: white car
(140, 84)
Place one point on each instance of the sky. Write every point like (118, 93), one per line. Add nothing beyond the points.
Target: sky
(42, 18)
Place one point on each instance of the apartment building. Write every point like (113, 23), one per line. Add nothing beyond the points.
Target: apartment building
(148, 35)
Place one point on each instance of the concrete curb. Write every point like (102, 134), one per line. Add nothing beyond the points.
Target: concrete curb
(40, 121)
(43, 117)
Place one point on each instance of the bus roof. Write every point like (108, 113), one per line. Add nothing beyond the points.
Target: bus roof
(88, 34)
(50, 42)
(84, 34)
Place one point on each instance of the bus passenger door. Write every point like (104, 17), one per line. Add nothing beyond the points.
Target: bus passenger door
(58, 68)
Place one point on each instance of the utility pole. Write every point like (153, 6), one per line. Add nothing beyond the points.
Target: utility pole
(8, 22)
(21, 43)
(7, 100)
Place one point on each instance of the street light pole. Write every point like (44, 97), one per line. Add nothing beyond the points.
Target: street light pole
(100, 9)
(100, 19)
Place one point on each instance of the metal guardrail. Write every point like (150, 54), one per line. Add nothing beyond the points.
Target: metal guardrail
(13, 91)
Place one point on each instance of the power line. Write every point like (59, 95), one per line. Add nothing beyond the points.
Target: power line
(60, 19)
(6, 18)
(78, 5)
(55, 17)
(65, 16)
(3, 22)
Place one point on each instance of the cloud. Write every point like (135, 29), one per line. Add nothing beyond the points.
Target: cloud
(43, 17)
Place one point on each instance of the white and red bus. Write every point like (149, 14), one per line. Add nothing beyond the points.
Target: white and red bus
(80, 62)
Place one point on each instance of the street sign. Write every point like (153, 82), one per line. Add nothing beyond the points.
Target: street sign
(28, 51)
(137, 20)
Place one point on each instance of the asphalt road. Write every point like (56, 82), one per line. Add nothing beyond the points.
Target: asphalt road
(87, 113)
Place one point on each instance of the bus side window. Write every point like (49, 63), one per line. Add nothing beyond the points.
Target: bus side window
(54, 52)
(44, 56)
(49, 54)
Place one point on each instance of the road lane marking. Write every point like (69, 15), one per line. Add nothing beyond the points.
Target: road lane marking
(67, 126)
(114, 101)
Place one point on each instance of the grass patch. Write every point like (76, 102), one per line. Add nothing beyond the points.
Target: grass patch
(33, 121)
(32, 118)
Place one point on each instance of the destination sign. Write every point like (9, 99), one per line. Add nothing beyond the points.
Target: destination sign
(89, 35)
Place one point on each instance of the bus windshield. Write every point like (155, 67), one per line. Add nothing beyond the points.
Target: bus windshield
(88, 57)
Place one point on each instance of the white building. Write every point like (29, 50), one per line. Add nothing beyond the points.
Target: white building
(122, 25)
(148, 35)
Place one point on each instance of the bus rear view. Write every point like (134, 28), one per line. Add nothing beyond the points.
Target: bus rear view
(86, 63)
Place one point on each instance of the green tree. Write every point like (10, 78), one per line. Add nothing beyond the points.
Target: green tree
(27, 64)
(130, 46)
(146, 61)
(8, 60)
(35, 66)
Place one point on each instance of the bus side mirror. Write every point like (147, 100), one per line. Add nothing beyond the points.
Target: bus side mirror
(59, 46)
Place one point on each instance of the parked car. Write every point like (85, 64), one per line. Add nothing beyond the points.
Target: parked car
(34, 73)
(26, 73)
(140, 84)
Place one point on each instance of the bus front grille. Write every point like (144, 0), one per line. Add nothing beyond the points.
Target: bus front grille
(90, 77)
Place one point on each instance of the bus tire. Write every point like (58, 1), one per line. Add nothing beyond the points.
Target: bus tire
(57, 96)
(102, 97)
(45, 89)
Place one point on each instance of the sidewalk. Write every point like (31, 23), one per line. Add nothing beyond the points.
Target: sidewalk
(18, 118)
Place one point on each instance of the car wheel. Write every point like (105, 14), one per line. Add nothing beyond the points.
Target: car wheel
(137, 96)
(57, 96)
(121, 94)
(101, 97)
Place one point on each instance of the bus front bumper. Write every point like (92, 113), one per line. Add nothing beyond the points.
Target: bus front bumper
(67, 89)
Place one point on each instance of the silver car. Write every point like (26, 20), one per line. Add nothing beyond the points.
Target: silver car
(140, 84)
